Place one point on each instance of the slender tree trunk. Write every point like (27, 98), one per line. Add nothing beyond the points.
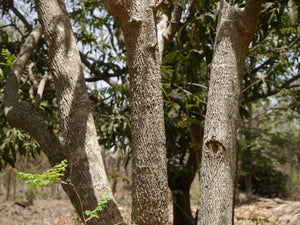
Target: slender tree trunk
(218, 166)
(8, 186)
(248, 185)
(247, 162)
(116, 173)
(181, 206)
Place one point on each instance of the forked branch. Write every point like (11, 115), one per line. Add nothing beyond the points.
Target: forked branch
(22, 115)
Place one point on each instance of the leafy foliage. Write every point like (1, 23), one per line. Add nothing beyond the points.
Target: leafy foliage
(100, 205)
(12, 140)
(47, 178)
(269, 182)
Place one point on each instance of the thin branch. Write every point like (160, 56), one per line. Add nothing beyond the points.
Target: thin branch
(30, 75)
(195, 84)
(175, 20)
(40, 91)
(8, 25)
(270, 60)
(98, 76)
(112, 40)
(285, 49)
(192, 11)
(256, 82)
(10, 5)
(285, 85)
(251, 85)
(188, 93)
(167, 28)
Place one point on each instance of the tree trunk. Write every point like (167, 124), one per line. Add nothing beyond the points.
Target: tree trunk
(144, 45)
(181, 187)
(88, 182)
(248, 185)
(218, 165)
(150, 187)
(182, 207)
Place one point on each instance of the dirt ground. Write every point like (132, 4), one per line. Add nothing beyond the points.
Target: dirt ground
(60, 212)
(42, 212)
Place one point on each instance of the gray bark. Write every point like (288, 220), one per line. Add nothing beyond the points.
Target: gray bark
(145, 40)
(218, 165)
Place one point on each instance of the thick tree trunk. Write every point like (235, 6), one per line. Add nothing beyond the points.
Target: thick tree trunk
(150, 187)
(144, 44)
(87, 174)
(218, 165)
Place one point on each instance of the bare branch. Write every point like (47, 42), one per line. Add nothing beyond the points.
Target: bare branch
(285, 85)
(99, 76)
(18, 67)
(167, 28)
(285, 49)
(30, 74)
(40, 91)
(10, 5)
(175, 20)
(8, 25)
(191, 11)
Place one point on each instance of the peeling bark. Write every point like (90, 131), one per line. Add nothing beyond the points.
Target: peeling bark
(218, 166)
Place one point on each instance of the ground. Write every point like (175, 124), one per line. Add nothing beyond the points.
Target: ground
(60, 212)
(42, 212)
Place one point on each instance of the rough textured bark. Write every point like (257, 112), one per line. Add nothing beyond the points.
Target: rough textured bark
(218, 165)
(150, 187)
(87, 173)
(145, 41)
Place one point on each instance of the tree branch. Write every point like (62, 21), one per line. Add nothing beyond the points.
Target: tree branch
(251, 13)
(21, 114)
(175, 21)
(277, 90)
(10, 4)
(285, 49)
(99, 76)
(40, 91)
(167, 28)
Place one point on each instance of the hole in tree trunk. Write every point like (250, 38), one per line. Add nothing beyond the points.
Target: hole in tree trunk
(215, 147)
